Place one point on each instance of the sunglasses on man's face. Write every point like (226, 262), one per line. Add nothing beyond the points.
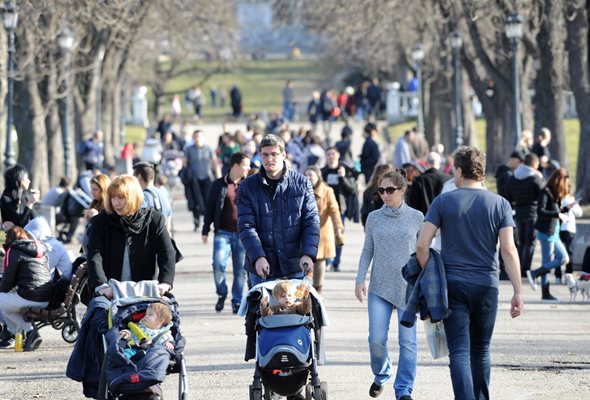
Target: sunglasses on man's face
(389, 190)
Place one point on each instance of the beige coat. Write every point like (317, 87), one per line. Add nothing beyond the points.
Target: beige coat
(330, 220)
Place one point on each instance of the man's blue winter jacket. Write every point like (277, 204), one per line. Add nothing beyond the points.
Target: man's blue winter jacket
(281, 228)
(426, 291)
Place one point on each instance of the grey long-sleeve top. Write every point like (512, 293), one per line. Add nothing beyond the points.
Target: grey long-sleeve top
(390, 240)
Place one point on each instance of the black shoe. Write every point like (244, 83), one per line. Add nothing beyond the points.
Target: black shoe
(33, 340)
(7, 344)
(335, 268)
(406, 397)
(155, 397)
(375, 390)
(220, 303)
(235, 307)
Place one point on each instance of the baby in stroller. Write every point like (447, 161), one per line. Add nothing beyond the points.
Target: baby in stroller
(288, 330)
(286, 297)
(152, 330)
(143, 345)
(99, 359)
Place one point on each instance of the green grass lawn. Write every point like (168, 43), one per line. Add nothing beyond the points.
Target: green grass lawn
(261, 83)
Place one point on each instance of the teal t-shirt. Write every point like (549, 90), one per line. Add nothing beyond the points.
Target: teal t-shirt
(470, 220)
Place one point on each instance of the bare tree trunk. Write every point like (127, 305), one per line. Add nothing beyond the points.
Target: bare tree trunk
(469, 133)
(440, 121)
(30, 124)
(52, 124)
(3, 90)
(577, 47)
(549, 82)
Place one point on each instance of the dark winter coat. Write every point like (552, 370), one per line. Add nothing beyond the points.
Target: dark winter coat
(370, 156)
(26, 266)
(148, 241)
(425, 188)
(547, 213)
(283, 227)
(15, 209)
(523, 191)
(214, 205)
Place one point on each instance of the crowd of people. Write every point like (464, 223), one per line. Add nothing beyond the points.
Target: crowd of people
(279, 201)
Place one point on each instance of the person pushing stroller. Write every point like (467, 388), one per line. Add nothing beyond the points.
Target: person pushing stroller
(278, 218)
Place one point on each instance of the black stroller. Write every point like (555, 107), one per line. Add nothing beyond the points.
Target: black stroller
(66, 308)
(288, 349)
(122, 378)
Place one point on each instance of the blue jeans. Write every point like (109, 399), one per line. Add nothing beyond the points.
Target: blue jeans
(255, 279)
(469, 331)
(553, 254)
(225, 242)
(380, 311)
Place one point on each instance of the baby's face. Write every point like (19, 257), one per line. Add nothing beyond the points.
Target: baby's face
(288, 298)
(151, 320)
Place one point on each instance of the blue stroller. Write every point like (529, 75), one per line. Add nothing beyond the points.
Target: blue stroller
(288, 349)
(122, 377)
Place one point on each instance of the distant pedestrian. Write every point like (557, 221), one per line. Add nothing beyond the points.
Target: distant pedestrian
(330, 224)
(314, 110)
(235, 96)
(549, 217)
(202, 167)
(16, 203)
(221, 210)
(342, 179)
(428, 185)
(471, 269)
(175, 107)
(403, 149)
(92, 151)
(522, 191)
(370, 154)
(213, 96)
(288, 101)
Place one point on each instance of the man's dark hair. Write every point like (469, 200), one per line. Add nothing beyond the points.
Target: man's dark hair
(272, 140)
(237, 158)
(64, 182)
(531, 159)
(472, 162)
(146, 170)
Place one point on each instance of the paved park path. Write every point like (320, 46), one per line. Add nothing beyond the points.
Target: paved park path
(540, 356)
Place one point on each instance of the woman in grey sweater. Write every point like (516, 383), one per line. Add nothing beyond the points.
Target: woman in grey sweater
(390, 238)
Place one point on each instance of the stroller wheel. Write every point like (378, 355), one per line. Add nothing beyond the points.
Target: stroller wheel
(69, 332)
(316, 393)
(255, 394)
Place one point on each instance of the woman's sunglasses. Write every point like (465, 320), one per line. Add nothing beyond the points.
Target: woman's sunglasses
(389, 190)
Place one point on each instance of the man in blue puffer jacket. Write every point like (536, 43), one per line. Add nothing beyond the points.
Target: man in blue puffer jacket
(278, 218)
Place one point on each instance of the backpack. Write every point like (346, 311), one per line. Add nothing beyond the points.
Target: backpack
(158, 207)
(157, 203)
(327, 105)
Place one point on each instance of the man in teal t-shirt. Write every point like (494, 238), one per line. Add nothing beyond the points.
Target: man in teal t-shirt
(471, 221)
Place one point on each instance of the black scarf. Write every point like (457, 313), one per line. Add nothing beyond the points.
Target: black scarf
(131, 224)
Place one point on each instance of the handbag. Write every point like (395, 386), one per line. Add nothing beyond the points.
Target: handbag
(436, 338)
(339, 239)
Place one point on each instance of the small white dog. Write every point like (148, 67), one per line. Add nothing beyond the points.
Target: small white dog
(582, 285)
